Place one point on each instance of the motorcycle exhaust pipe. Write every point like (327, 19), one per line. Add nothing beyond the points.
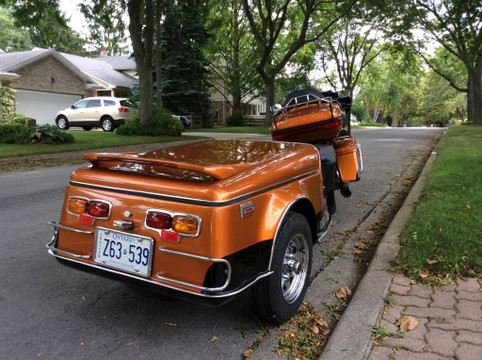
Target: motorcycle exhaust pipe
(345, 191)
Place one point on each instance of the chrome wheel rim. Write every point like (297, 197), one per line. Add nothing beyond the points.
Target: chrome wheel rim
(295, 268)
(107, 125)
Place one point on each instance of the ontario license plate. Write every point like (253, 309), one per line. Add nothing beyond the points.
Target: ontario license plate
(123, 251)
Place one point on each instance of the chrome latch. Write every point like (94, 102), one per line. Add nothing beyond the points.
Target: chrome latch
(124, 224)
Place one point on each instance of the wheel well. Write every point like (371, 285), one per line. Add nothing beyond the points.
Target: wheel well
(106, 117)
(305, 208)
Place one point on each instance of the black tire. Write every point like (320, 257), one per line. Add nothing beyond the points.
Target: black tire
(62, 123)
(87, 128)
(107, 124)
(278, 297)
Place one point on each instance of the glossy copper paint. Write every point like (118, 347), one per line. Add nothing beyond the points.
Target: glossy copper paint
(347, 158)
(208, 179)
(308, 122)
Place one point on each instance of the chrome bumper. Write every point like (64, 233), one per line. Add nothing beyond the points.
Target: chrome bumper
(216, 292)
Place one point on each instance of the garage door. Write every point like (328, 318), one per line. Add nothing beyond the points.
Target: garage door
(42, 106)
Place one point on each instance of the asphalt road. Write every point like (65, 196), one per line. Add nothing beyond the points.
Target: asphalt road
(48, 311)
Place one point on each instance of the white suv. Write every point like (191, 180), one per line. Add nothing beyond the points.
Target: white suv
(101, 111)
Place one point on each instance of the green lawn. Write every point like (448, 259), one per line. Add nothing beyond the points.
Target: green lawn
(84, 140)
(444, 238)
(263, 130)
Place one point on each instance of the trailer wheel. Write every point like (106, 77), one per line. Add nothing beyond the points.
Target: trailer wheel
(278, 297)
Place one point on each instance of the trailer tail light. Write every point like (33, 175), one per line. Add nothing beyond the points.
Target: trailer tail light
(88, 211)
(158, 220)
(98, 209)
(173, 226)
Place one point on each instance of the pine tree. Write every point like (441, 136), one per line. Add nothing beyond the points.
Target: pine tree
(185, 89)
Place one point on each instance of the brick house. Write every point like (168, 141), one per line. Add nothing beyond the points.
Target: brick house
(46, 81)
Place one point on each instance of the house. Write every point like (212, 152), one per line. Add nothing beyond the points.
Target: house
(46, 81)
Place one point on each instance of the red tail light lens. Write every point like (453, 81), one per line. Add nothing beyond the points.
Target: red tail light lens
(158, 220)
(123, 109)
(98, 209)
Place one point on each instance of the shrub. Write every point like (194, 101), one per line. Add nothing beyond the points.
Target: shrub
(235, 120)
(162, 124)
(50, 134)
(14, 133)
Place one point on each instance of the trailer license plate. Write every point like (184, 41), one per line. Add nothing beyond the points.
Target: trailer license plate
(123, 251)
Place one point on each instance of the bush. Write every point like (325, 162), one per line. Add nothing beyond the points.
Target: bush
(162, 124)
(14, 133)
(235, 120)
(50, 134)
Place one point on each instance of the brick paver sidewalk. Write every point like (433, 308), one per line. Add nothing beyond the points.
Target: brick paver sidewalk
(450, 322)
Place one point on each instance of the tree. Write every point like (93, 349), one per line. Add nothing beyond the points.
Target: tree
(281, 27)
(141, 29)
(349, 47)
(387, 84)
(106, 27)
(185, 89)
(12, 38)
(457, 27)
(232, 61)
(46, 24)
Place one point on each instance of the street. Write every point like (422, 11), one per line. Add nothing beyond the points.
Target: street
(49, 311)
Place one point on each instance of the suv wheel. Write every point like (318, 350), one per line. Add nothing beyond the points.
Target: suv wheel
(62, 123)
(107, 124)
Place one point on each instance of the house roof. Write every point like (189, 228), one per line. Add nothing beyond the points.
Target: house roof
(120, 63)
(87, 68)
(102, 70)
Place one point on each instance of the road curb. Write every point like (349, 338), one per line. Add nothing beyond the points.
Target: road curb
(352, 337)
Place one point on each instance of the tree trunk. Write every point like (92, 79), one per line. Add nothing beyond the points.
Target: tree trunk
(474, 95)
(158, 54)
(268, 77)
(141, 43)
(395, 118)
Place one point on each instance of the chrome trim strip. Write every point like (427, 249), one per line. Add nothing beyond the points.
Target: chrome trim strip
(190, 200)
(53, 241)
(203, 258)
(53, 250)
(213, 296)
(57, 225)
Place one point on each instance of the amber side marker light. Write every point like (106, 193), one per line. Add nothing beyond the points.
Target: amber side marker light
(77, 206)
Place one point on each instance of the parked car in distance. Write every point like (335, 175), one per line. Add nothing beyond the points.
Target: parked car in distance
(184, 119)
(101, 111)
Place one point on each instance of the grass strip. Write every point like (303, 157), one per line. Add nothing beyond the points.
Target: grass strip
(262, 130)
(85, 140)
(443, 240)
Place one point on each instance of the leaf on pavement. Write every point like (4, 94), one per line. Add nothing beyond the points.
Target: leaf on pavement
(247, 353)
(343, 293)
(407, 323)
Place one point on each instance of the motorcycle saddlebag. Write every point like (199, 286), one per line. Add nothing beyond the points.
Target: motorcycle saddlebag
(348, 158)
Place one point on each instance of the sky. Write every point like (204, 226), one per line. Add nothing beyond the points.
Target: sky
(77, 20)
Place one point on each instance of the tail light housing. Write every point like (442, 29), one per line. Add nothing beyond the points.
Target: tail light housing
(172, 227)
(89, 210)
